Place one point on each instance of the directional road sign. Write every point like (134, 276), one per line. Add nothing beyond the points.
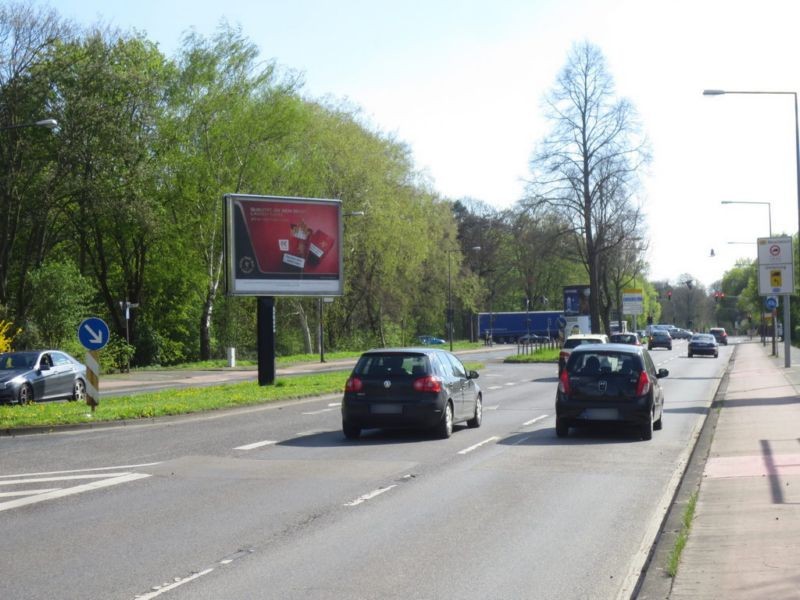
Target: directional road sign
(771, 302)
(93, 333)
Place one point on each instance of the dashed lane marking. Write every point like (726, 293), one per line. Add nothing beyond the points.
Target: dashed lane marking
(532, 421)
(494, 438)
(255, 445)
(370, 496)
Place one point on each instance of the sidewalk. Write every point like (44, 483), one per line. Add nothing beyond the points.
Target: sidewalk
(745, 536)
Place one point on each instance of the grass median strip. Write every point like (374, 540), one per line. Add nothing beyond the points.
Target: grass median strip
(683, 536)
(171, 402)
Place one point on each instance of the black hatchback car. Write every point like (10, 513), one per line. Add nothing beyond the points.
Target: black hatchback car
(659, 339)
(610, 383)
(422, 388)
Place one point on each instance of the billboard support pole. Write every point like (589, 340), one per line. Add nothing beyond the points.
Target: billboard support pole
(266, 340)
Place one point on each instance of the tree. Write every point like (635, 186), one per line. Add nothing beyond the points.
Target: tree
(585, 170)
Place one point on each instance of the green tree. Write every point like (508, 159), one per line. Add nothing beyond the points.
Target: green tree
(60, 300)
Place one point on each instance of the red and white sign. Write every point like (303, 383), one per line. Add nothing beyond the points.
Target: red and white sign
(775, 266)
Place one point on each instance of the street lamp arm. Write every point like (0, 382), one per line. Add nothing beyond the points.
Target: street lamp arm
(46, 123)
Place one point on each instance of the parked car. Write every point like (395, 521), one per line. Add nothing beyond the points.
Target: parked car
(720, 334)
(624, 338)
(703, 343)
(410, 388)
(610, 383)
(430, 340)
(36, 375)
(576, 340)
(659, 339)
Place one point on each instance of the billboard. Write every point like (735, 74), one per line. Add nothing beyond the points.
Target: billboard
(278, 246)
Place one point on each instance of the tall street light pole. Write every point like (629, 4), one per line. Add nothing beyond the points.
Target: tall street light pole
(787, 361)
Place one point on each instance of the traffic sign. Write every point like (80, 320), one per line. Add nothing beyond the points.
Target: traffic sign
(93, 333)
(771, 302)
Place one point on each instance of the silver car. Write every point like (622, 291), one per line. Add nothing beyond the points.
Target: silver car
(36, 375)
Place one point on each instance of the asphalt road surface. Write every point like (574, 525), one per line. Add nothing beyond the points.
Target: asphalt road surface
(273, 502)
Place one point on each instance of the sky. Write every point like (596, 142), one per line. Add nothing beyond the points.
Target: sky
(461, 82)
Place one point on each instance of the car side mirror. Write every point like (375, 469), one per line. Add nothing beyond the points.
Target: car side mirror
(472, 375)
(662, 373)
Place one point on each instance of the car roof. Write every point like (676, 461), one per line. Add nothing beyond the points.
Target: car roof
(406, 350)
(587, 336)
(616, 348)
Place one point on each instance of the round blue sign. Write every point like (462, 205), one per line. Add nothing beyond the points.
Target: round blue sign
(93, 333)
(771, 302)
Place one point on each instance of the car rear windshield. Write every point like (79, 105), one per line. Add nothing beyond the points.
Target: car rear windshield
(603, 362)
(392, 364)
(574, 343)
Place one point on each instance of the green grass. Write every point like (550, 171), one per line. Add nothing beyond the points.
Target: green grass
(149, 405)
(674, 558)
(541, 355)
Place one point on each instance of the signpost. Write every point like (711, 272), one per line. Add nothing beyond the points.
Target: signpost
(93, 334)
(776, 278)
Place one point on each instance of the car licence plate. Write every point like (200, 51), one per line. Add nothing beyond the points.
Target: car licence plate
(386, 409)
(601, 414)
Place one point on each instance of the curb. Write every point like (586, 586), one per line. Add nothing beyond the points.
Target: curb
(654, 581)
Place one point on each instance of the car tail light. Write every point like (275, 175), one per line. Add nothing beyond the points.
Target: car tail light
(354, 384)
(563, 382)
(643, 385)
(430, 383)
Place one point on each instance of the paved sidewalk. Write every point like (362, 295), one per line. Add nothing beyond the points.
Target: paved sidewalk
(745, 537)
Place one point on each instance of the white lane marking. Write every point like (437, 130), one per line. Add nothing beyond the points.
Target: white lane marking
(27, 492)
(62, 478)
(511, 383)
(319, 412)
(532, 421)
(86, 487)
(478, 445)
(172, 586)
(255, 445)
(309, 432)
(80, 470)
(494, 407)
(495, 387)
(370, 496)
(335, 404)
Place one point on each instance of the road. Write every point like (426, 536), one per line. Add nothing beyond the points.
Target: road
(273, 502)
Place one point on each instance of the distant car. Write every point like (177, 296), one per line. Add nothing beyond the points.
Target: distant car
(624, 338)
(610, 383)
(720, 334)
(703, 343)
(533, 339)
(424, 388)
(659, 339)
(576, 340)
(682, 334)
(32, 376)
(430, 340)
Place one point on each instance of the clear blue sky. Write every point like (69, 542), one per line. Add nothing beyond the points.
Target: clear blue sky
(461, 82)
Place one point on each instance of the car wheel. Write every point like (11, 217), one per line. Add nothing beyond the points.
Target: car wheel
(562, 429)
(476, 420)
(659, 422)
(647, 428)
(445, 427)
(716, 355)
(25, 394)
(78, 391)
(351, 432)
(690, 355)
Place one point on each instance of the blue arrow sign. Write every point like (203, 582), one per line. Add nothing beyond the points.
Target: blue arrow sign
(93, 333)
(771, 302)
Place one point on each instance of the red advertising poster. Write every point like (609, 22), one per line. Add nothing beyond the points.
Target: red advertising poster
(289, 245)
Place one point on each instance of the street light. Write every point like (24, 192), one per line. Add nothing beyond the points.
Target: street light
(450, 296)
(46, 123)
(787, 361)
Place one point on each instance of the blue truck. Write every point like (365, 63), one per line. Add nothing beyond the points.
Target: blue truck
(508, 327)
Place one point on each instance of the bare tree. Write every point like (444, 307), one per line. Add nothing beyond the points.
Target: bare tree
(586, 169)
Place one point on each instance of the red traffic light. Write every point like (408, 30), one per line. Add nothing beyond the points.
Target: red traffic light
(669, 295)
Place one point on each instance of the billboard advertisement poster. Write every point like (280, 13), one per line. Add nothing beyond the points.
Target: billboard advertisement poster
(278, 246)
(576, 300)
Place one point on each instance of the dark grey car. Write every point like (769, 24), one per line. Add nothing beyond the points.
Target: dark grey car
(610, 382)
(40, 375)
(422, 388)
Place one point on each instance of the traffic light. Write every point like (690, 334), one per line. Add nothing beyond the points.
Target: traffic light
(669, 295)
